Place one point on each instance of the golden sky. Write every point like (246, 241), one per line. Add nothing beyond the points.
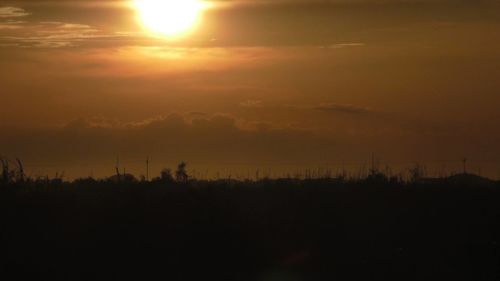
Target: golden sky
(278, 84)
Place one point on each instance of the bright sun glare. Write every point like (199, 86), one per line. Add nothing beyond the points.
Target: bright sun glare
(170, 18)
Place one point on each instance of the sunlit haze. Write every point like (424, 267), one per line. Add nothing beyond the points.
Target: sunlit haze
(235, 86)
(169, 17)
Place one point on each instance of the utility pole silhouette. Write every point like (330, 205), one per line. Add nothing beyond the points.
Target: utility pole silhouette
(117, 168)
(147, 168)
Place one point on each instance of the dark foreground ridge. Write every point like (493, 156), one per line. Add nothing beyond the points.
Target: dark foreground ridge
(285, 229)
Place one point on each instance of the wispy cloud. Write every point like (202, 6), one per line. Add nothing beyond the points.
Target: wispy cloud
(343, 108)
(10, 26)
(9, 19)
(343, 45)
(334, 108)
(53, 34)
(13, 12)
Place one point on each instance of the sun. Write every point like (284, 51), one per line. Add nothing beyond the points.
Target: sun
(171, 18)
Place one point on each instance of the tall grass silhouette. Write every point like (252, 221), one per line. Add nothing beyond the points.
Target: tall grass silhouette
(315, 226)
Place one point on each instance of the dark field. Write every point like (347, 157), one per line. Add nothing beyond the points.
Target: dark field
(266, 230)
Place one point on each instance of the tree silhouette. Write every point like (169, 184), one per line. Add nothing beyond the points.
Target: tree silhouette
(181, 175)
(166, 176)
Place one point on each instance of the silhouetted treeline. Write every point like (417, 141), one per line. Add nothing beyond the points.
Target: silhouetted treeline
(15, 176)
(179, 228)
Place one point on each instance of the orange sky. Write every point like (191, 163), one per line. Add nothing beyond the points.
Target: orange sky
(279, 84)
